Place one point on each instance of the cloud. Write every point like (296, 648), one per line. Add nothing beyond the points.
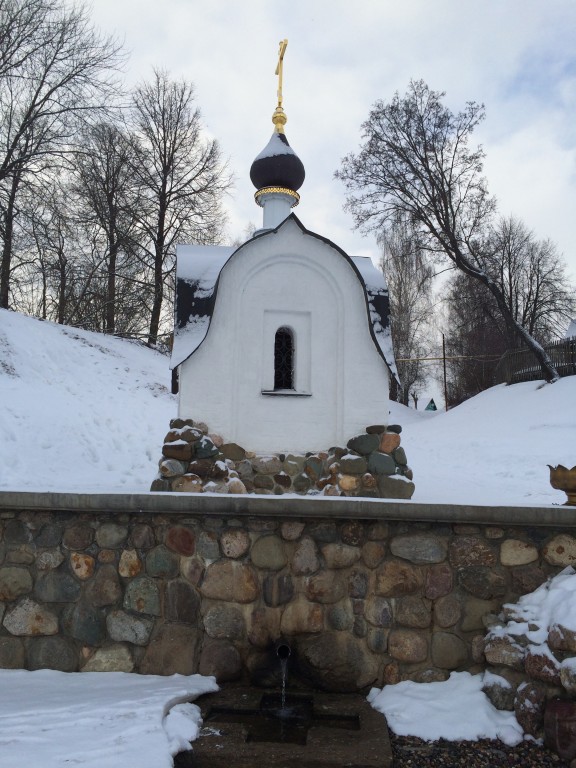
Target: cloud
(515, 56)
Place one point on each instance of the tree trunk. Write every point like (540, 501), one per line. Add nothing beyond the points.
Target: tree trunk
(157, 302)
(7, 245)
(62, 290)
(44, 291)
(110, 318)
(550, 373)
(158, 270)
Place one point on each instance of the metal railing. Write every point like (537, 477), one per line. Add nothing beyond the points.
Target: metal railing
(521, 365)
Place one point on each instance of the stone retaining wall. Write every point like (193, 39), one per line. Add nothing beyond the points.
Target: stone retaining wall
(361, 601)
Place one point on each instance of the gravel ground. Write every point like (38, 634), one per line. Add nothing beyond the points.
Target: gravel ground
(410, 752)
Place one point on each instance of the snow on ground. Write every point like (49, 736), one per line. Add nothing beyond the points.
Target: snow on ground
(86, 412)
(455, 710)
(439, 710)
(80, 411)
(102, 720)
(106, 720)
(83, 411)
(493, 448)
(550, 608)
(95, 719)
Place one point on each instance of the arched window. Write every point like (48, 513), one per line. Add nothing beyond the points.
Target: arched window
(284, 359)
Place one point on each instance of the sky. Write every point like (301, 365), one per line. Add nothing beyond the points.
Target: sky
(515, 56)
(82, 396)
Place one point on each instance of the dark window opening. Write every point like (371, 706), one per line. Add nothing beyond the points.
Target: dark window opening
(175, 380)
(284, 359)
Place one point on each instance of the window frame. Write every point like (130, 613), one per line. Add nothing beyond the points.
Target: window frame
(298, 324)
(284, 358)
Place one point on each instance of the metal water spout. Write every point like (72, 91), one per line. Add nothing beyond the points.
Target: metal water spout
(283, 650)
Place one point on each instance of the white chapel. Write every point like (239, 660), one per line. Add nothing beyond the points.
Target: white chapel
(281, 344)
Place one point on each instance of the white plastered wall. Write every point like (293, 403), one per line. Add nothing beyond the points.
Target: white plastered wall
(287, 278)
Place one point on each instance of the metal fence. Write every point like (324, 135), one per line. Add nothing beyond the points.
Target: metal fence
(521, 365)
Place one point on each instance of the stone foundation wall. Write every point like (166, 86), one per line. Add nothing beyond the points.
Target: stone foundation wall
(373, 465)
(361, 601)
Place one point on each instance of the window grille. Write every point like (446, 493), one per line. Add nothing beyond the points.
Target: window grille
(284, 359)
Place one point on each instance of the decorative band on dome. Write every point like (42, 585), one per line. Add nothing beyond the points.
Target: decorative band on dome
(278, 190)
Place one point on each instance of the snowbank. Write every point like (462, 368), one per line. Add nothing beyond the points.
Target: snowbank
(97, 720)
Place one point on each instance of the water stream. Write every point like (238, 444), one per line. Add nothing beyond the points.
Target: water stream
(284, 672)
(283, 718)
(283, 651)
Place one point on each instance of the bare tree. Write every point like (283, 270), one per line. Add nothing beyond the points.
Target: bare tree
(416, 160)
(55, 71)
(181, 176)
(476, 339)
(50, 253)
(20, 31)
(532, 277)
(54, 240)
(108, 202)
(409, 275)
(62, 266)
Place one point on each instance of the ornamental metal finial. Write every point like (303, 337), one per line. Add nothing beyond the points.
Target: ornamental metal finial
(279, 117)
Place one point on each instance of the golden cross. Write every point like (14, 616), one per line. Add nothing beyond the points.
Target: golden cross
(281, 52)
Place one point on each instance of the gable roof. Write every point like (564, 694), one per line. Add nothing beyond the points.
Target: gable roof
(571, 330)
(198, 269)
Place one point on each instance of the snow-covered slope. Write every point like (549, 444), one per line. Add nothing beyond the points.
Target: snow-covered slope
(79, 410)
(494, 448)
(83, 411)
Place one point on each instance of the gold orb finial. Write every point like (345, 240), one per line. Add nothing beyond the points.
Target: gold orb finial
(279, 119)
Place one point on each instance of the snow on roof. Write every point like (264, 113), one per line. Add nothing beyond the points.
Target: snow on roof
(198, 269)
(201, 263)
(571, 330)
(276, 146)
(378, 307)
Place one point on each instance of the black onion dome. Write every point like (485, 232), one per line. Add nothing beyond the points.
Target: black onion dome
(277, 165)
